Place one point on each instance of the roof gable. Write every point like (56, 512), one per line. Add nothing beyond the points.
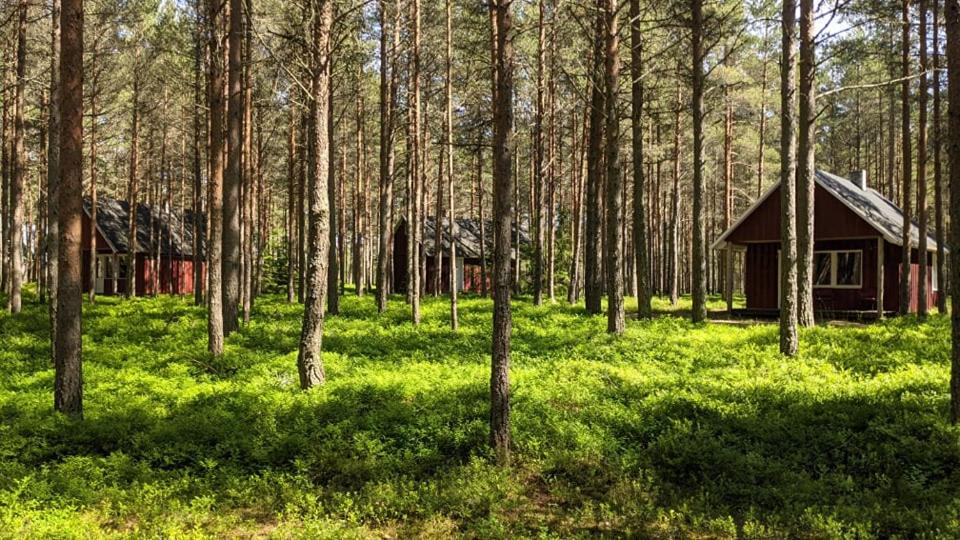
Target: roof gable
(113, 222)
(468, 236)
(859, 212)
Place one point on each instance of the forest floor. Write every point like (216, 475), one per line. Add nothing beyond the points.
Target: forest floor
(673, 430)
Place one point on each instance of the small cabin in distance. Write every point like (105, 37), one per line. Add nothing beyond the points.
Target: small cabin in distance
(857, 260)
(163, 249)
(469, 262)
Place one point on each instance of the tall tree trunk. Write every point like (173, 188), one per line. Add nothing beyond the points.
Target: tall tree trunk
(699, 311)
(416, 179)
(763, 119)
(333, 271)
(922, 164)
(387, 99)
(538, 156)
(6, 173)
(639, 181)
(233, 177)
(789, 340)
(198, 255)
(554, 163)
(593, 278)
(14, 301)
(614, 243)
(92, 293)
(448, 143)
(53, 172)
(952, 19)
(132, 186)
(214, 253)
(309, 359)
(248, 180)
(292, 206)
(360, 199)
(806, 164)
(438, 215)
(941, 268)
(728, 254)
(905, 264)
(675, 202)
(341, 224)
(68, 384)
(302, 158)
(483, 222)
(503, 219)
(573, 290)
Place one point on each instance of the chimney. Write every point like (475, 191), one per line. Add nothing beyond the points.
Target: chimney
(859, 179)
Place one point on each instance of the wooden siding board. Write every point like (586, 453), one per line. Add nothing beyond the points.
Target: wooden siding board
(832, 220)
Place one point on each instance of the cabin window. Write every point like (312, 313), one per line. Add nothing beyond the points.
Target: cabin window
(822, 266)
(838, 269)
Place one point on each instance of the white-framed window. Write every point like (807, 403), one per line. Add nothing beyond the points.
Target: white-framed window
(838, 269)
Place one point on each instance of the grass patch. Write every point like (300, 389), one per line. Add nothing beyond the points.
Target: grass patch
(674, 430)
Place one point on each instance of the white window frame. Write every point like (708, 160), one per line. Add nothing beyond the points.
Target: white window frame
(933, 273)
(833, 269)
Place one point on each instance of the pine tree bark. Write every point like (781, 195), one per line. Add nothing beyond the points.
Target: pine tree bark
(938, 204)
(483, 222)
(68, 383)
(806, 165)
(416, 178)
(614, 243)
(907, 156)
(92, 293)
(14, 238)
(593, 278)
(789, 340)
(233, 177)
(573, 290)
(639, 181)
(952, 19)
(699, 290)
(215, 153)
(198, 255)
(248, 179)
(309, 359)
(292, 258)
(333, 270)
(922, 291)
(728, 254)
(53, 172)
(388, 91)
(503, 220)
(761, 135)
(448, 143)
(675, 202)
(132, 186)
(6, 173)
(360, 197)
(538, 156)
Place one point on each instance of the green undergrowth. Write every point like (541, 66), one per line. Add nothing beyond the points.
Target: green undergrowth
(674, 430)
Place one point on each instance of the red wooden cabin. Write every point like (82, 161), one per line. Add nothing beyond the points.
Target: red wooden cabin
(857, 250)
(469, 261)
(163, 250)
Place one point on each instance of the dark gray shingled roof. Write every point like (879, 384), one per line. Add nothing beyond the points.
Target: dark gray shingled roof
(113, 221)
(878, 211)
(875, 209)
(468, 236)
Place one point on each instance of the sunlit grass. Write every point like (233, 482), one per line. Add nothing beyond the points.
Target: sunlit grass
(672, 430)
